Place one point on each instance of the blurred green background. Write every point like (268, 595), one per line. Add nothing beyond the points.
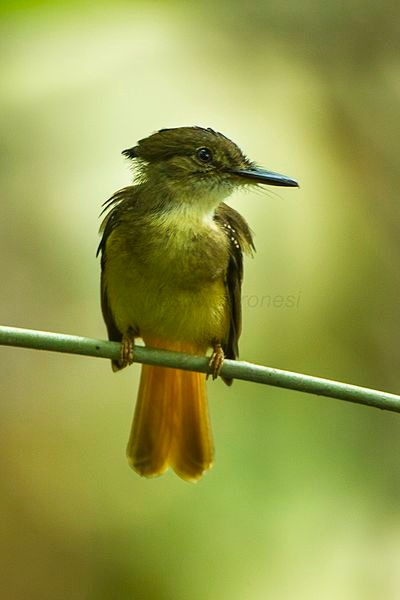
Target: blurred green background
(303, 501)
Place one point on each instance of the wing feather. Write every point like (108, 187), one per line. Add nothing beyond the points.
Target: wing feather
(240, 241)
(118, 204)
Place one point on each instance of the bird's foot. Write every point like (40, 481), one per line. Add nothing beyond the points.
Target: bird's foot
(216, 361)
(127, 345)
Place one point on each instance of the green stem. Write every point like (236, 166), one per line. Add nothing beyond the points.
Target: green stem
(57, 342)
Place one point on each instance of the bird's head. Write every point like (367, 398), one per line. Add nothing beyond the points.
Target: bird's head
(194, 162)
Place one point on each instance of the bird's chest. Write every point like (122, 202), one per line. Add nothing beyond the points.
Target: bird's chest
(168, 283)
(186, 254)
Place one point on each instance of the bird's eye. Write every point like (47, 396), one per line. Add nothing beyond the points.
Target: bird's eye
(204, 155)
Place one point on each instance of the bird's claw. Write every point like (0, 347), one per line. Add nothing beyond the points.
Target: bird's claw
(216, 361)
(127, 345)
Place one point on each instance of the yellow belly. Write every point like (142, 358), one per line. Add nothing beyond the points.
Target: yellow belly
(157, 298)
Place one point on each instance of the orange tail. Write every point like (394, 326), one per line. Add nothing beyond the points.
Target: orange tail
(171, 425)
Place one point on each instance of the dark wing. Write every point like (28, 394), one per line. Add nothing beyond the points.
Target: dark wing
(118, 203)
(240, 240)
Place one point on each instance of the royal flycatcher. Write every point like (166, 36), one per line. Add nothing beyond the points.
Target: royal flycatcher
(171, 274)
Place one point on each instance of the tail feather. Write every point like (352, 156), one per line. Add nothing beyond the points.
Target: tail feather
(171, 424)
(153, 422)
(192, 449)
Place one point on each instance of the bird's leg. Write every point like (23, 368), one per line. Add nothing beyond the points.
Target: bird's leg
(127, 345)
(216, 360)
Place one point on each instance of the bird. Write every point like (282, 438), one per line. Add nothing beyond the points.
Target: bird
(171, 274)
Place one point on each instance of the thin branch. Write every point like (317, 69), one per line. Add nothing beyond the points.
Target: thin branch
(57, 342)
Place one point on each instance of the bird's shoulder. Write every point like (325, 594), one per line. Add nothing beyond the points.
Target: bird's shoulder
(235, 228)
(115, 208)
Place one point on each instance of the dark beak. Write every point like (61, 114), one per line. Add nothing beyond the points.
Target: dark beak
(258, 175)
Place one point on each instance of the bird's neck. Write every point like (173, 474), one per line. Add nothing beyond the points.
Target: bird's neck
(186, 217)
(181, 203)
